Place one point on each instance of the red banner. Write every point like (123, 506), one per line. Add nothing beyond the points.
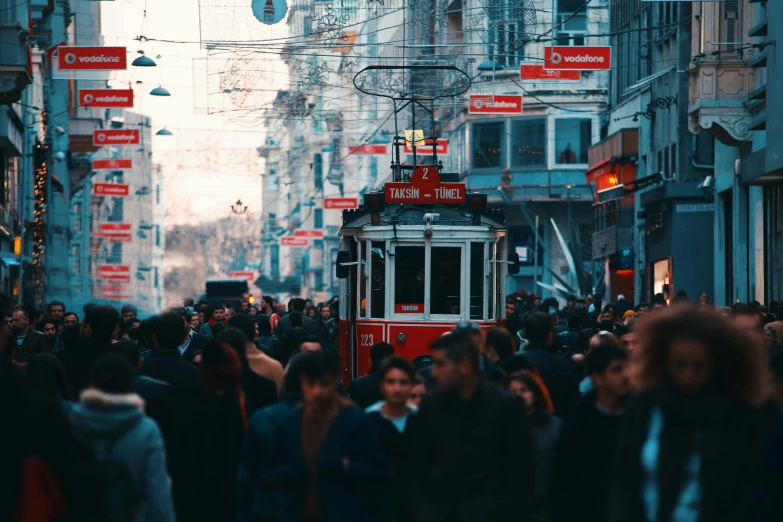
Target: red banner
(112, 164)
(408, 308)
(441, 147)
(444, 193)
(293, 241)
(106, 98)
(109, 228)
(116, 278)
(114, 289)
(116, 137)
(369, 150)
(113, 269)
(115, 237)
(242, 275)
(581, 58)
(313, 234)
(92, 58)
(506, 104)
(341, 203)
(535, 72)
(110, 189)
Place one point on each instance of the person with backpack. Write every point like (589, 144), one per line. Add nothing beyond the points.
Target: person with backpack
(127, 446)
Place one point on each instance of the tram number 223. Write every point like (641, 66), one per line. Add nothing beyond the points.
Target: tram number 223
(366, 339)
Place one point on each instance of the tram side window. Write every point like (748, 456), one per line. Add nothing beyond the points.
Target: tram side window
(491, 282)
(477, 263)
(445, 280)
(409, 279)
(378, 280)
(363, 283)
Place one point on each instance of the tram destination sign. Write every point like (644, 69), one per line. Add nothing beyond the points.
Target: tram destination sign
(431, 193)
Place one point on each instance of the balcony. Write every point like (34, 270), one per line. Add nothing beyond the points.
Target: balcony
(615, 230)
(15, 72)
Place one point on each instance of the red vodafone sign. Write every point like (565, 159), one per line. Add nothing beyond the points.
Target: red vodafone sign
(108, 228)
(92, 58)
(507, 104)
(535, 72)
(312, 234)
(441, 148)
(110, 189)
(369, 150)
(430, 193)
(112, 269)
(106, 98)
(293, 241)
(341, 203)
(581, 58)
(241, 275)
(112, 164)
(116, 137)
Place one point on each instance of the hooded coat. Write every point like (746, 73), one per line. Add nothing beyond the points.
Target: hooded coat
(119, 420)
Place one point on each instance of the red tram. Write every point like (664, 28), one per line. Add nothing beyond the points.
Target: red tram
(415, 260)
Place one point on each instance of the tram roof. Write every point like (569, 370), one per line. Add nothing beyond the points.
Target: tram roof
(413, 215)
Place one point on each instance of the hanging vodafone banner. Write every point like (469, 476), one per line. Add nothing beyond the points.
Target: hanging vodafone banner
(116, 190)
(112, 164)
(535, 72)
(369, 150)
(481, 104)
(341, 203)
(294, 241)
(578, 58)
(106, 98)
(92, 58)
(116, 137)
(441, 147)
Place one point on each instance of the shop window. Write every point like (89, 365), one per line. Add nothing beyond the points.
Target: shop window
(378, 279)
(505, 37)
(528, 142)
(409, 277)
(157, 194)
(572, 139)
(274, 260)
(363, 279)
(488, 146)
(318, 218)
(445, 280)
(477, 264)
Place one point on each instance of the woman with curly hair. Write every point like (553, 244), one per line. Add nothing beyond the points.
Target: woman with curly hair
(689, 449)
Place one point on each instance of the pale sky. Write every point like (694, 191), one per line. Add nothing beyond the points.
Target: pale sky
(209, 162)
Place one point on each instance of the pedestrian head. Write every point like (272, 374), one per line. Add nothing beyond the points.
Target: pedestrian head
(296, 319)
(418, 391)
(111, 373)
(642, 309)
(218, 314)
(396, 379)
(245, 324)
(608, 367)
(607, 314)
(574, 322)
(378, 353)
(45, 377)
(628, 337)
(297, 304)
(244, 306)
(692, 347)
(471, 331)
(511, 308)
(499, 344)
(518, 363)
(310, 344)
(70, 319)
(325, 312)
(49, 328)
(56, 309)
(539, 330)
(455, 360)
(747, 316)
(310, 312)
(526, 385)
(318, 379)
(129, 312)
(168, 331)
(102, 323)
(20, 320)
(129, 350)
(704, 298)
(235, 339)
(601, 338)
(770, 337)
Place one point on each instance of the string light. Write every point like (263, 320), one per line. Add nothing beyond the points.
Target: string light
(41, 158)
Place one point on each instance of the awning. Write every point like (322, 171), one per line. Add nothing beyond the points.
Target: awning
(648, 80)
(598, 170)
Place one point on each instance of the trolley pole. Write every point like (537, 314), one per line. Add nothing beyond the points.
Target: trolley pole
(535, 261)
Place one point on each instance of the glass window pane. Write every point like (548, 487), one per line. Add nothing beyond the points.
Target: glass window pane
(445, 280)
(363, 283)
(378, 279)
(572, 139)
(488, 145)
(528, 142)
(477, 264)
(409, 278)
(490, 282)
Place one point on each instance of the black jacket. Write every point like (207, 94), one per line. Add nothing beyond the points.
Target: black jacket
(34, 342)
(284, 325)
(470, 460)
(166, 364)
(394, 504)
(570, 342)
(579, 485)
(77, 361)
(158, 403)
(730, 437)
(197, 344)
(558, 376)
(366, 391)
(259, 391)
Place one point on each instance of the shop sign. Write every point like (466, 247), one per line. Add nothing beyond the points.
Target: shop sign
(535, 72)
(695, 207)
(106, 98)
(341, 203)
(110, 228)
(242, 275)
(116, 137)
(112, 164)
(500, 104)
(92, 58)
(578, 58)
(311, 234)
(293, 241)
(441, 148)
(369, 150)
(110, 189)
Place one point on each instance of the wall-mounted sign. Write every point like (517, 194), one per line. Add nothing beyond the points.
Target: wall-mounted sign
(294, 241)
(110, 228)
(369, 150)
(116, 137)
(430, 193)
(311, 234)
(115, 237)
(112, 164)
(341, 203)
(442, 148)
(117, 190)
(535, 72)
(414, 137)
(578, 58)
(413, 308)
(500, 104)
(92, 58)
(695, 207)
(269, 12)
(242, 275)
(113, 269)
(106, 98)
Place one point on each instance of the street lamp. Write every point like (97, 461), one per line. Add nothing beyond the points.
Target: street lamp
(164, 132)
(238, 207)
(143, 61)
(160, 91)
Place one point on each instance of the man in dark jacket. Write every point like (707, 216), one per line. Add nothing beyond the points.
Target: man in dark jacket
(513, 322)
(469, 446)
(569, 340)
(28, 341)
(585, 454)
(366, 391)
(284, 326)
(558, 375)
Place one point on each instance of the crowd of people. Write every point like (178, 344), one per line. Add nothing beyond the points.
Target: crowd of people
(591, 412)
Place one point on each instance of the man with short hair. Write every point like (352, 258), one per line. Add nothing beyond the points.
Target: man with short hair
(52, 341)
(244, 307)
(258, 361)
(365, 391)
(482, 469)
(129, 312)
(583, 461)
(513, 323)
(570, 339)
(70, 319)
(499, 346)
(284, 325)
(217, 315)
(56, 310)
(28, 341)
(194, 343)
(607, 314)
(747, 317)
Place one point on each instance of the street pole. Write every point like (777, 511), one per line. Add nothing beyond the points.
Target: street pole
(535, 260)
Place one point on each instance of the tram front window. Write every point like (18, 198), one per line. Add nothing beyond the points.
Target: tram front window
(446, 280)
(409, 279)
(378, 279)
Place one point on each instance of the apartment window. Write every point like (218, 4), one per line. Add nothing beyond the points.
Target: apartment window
(76, 250)
(273, 181)
(156, 277)
(274, 260)
(318, 171)
(157, 235)
(76, 266)
(571, 28)
(528, 142)
(488, 146)
(572, 139)
(505, 35)
(77, 223)
(157, 194)
(318, 218)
